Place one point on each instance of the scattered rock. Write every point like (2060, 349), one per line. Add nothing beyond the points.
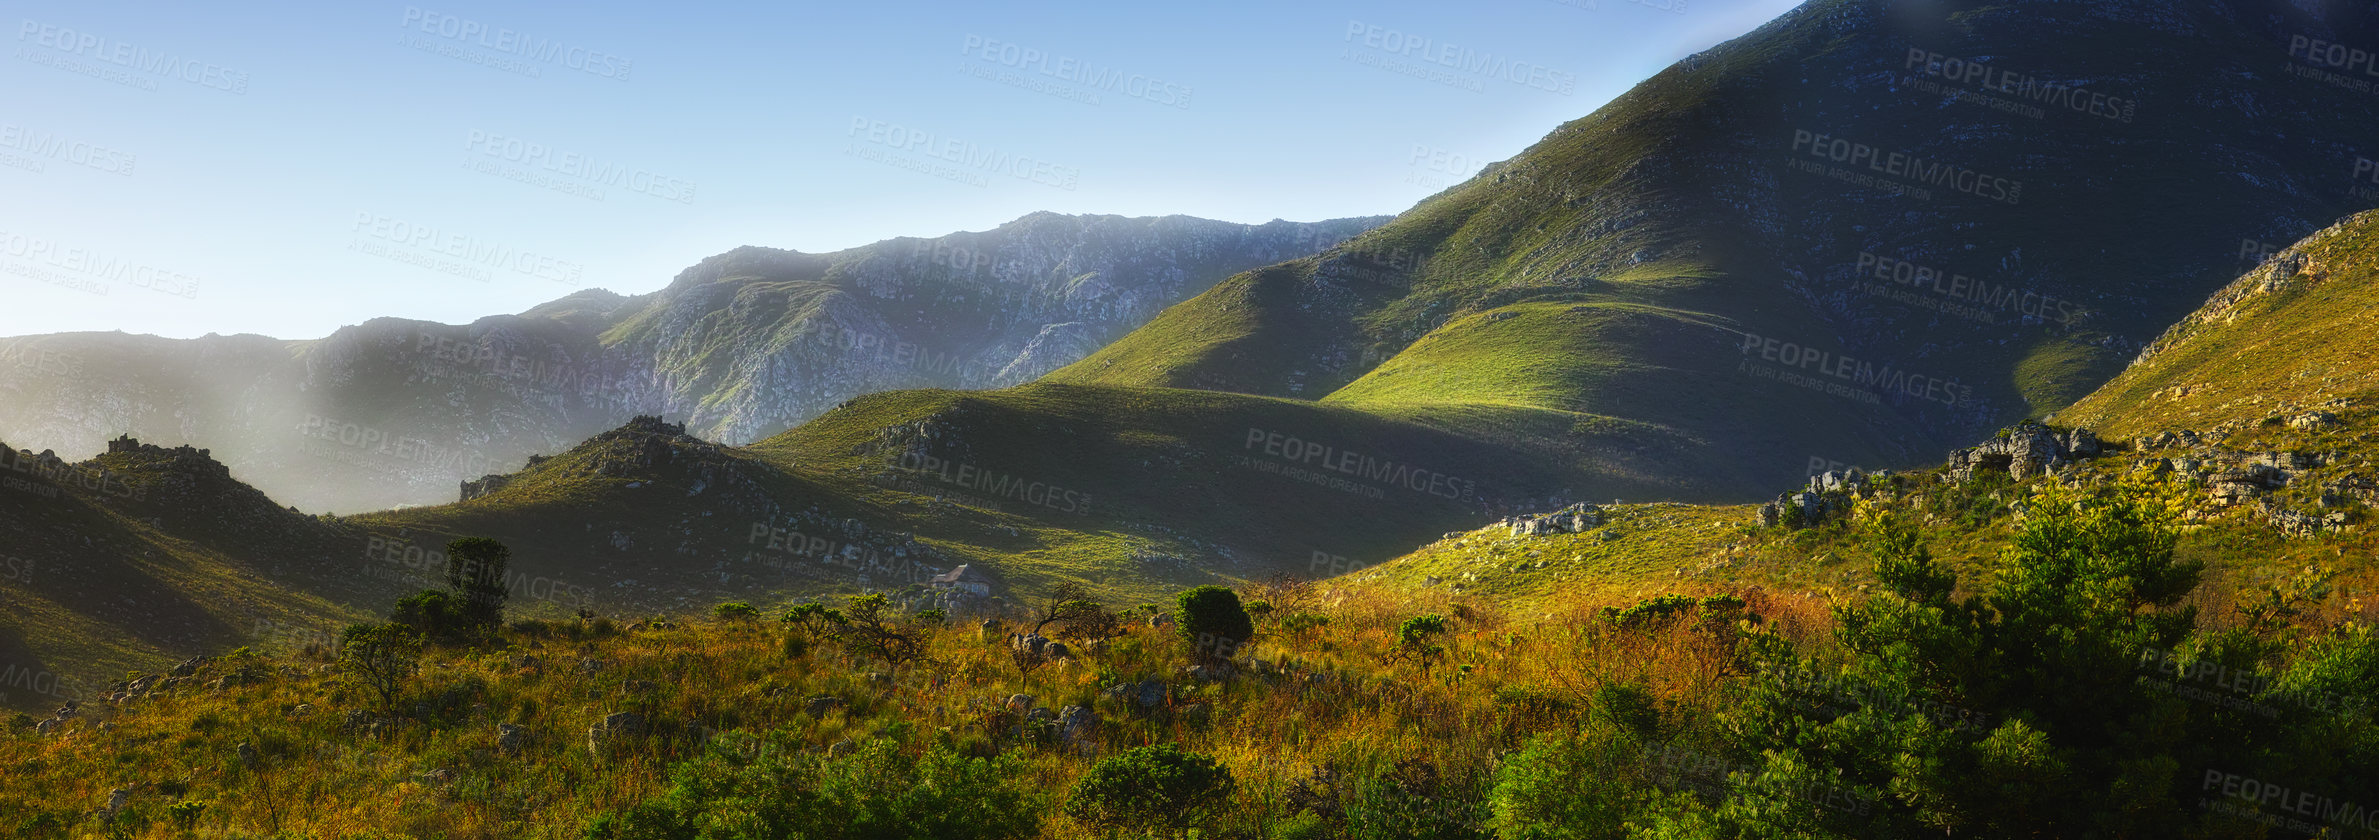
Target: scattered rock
(1020, 703)
(820, 705)
(511, 738)
(842, 748)
(601, 736)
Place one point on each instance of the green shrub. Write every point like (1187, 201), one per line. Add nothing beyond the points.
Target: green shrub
(1151, 788)
(1211, 618)
(736, 611)
(880, 790)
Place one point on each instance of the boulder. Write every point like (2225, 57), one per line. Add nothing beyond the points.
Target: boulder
(1020, 703)
(511, 737)
(614, 727)
(820, 705)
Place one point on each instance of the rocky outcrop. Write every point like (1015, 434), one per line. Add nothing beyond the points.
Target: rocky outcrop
(2023, 452)
(1575, 519)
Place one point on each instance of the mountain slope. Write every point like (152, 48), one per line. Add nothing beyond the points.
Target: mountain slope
(144, 556)
(1630, 294)
(743, 345)
(2298, 334)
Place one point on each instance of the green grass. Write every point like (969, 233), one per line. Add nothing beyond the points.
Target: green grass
(2265, 345)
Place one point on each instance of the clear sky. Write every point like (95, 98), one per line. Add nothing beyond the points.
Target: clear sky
(289, 167)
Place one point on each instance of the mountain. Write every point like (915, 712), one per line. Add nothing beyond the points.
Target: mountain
(742, 345)
(1864, 233)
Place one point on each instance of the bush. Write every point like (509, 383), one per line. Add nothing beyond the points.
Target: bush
(878, 791)
(736, 611)
(1150, 788)
(432, 613)
(380, 659)
(476, 568)
(1211, 618)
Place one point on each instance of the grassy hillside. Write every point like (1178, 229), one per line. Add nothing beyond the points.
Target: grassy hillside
(1491, 718)
(138, 559)
(2295, 335)
(1134, 492)
(1586, 300)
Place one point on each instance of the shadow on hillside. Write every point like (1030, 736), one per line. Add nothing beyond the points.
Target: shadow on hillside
(28, 684)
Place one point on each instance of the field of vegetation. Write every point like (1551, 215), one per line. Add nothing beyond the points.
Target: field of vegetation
(2087, 680)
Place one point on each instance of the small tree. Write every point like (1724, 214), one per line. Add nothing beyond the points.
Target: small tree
(1211, 618)
(1150, 788)
(1077, 615)
(475, 572)
(380, 658)
(736, 611)
(871, 627)
(1416, 641)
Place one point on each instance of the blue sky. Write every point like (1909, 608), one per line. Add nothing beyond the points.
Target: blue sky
(288, 168)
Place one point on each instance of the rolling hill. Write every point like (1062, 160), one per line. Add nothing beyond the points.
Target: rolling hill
(741, 345)
(1864, 233)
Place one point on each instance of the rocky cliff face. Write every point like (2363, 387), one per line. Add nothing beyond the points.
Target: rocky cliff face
(740, 346)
